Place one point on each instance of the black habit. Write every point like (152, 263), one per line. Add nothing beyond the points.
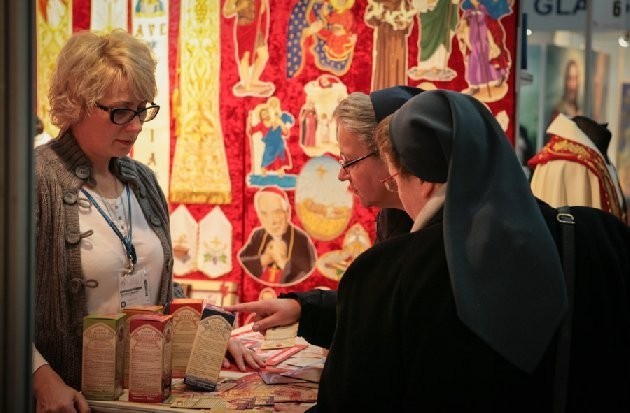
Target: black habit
(400, 346)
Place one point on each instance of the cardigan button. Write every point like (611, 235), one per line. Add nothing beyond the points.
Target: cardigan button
(73, 238)
(82, 171)
(69, 198)
(76, 285)
(155, 221)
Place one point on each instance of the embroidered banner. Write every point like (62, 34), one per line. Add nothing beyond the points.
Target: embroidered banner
(200, 169)
(253, 84)
(107, 15)
(150, 23)
(54, 26)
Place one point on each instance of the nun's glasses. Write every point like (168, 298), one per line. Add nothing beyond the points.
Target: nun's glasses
(390, 183)
(347, 164)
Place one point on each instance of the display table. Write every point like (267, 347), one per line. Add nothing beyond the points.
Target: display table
(123, 406)
(291, 376)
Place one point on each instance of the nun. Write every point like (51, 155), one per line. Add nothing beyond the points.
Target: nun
(471, 311)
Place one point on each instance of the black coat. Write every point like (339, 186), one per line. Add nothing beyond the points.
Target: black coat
(391, 222)
(400, 346)
(318, 307)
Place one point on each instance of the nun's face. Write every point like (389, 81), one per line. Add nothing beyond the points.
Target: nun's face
(365, 176)
(412, 191)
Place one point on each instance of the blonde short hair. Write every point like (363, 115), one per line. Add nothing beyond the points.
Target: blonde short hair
(91, 63)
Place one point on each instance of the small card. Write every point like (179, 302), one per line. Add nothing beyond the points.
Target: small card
(197, 401)
(280, 337)
(280, 355)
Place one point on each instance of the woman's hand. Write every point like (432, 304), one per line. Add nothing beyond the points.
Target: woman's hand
(242, 356)
(55, 396)
(270, 313)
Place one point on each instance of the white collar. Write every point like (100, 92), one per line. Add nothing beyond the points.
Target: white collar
(433, 204)
(566, 128)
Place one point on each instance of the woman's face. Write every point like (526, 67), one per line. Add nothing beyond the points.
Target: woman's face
(98, 136)
(411, 190)
(365, 176)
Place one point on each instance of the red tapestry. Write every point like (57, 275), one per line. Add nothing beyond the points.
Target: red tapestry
(284, 64)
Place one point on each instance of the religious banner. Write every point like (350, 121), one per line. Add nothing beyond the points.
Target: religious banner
(107, 15)
(54, 25)
(248, 135)
(150, 23)
(199, 170)
(185, 237)
(215, 244)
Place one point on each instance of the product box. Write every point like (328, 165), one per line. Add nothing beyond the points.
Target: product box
(103, 351)
(150, 338)
(186, 314)
(131, 311)
(208, 351)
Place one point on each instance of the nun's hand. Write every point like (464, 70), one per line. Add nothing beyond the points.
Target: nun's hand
(270, 313)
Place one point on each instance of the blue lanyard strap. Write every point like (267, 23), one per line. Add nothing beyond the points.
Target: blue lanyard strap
(126, 241)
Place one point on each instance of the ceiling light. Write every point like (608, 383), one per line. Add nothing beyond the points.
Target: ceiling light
(624, 39)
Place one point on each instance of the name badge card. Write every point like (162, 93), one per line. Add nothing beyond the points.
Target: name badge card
(134, 288)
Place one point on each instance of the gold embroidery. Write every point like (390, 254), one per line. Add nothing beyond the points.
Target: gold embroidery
(562, 148)
(153, 146)
(53, 30)
(200, 169)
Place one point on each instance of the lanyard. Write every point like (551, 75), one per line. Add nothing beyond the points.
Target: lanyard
(126, 241)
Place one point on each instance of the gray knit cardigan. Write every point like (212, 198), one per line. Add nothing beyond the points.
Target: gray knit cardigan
(61, 168)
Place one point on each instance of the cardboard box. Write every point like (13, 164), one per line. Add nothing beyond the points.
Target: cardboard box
(150, 338)
(103, 352)
(131, 311)
(186, 314)
(211, 340)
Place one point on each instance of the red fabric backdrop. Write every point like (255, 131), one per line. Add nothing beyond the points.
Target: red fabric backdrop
(290, 92)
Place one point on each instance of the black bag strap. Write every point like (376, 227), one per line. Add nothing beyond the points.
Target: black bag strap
(563, 351)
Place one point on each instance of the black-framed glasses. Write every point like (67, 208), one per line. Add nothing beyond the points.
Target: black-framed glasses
(390, 182)
(122, 116)
(347, 164)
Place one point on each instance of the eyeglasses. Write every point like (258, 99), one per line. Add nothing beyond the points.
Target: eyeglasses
(347, 164)
(390, 183)
(122, 116)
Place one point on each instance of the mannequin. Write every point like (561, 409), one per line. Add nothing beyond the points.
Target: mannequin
(598, 133)
(573, 168)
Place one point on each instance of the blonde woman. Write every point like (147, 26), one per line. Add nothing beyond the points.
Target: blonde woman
(101, 216)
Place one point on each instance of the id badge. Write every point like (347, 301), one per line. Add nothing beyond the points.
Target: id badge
(134, 288)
